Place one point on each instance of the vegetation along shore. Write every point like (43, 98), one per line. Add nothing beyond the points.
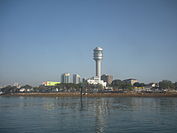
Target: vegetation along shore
(116, 88)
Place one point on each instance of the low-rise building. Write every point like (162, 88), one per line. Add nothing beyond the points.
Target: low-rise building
(96, 80)
(50, 83)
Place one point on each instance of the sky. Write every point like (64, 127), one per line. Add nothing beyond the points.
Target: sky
(41, 39)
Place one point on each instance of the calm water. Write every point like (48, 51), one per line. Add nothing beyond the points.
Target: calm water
(89, 115)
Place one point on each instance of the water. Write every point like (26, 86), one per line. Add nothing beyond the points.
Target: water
(88, 115)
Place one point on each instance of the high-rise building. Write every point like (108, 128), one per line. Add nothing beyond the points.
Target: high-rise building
(76, 79)
(65, 78)
(107, 78)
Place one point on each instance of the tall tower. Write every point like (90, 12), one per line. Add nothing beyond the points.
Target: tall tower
(98, 56)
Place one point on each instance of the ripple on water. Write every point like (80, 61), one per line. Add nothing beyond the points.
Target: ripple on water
(72, 114)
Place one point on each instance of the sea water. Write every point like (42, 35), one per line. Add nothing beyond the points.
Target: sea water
(88, 114)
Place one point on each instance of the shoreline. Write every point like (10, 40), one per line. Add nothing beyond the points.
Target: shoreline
(77, 94)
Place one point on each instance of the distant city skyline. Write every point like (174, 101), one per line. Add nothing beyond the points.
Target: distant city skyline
(40, 40)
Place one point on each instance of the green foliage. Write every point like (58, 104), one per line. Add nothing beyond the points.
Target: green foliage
(137, 84)
(9, 89)
(68, 86)
(27, 87)
(118, 84)
(166, 84)
(175, 84)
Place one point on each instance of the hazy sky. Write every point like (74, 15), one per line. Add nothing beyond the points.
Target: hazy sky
(41, 39)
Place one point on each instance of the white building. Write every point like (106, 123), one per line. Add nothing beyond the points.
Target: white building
(95, 81)
(76, 79)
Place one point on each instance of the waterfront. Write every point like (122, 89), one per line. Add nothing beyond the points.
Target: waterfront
(89, 114)
(112, 94)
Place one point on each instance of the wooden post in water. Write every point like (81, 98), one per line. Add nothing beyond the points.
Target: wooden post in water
(81, 91)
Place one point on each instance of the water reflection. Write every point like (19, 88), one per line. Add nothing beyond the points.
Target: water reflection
(102, 110)
(99, 110)
(75, 114)
(81, 104)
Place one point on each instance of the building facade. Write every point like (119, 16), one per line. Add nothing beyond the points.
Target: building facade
(66, 78)
(76, 79)
(95, 81)
(50, 83)
(107, 78)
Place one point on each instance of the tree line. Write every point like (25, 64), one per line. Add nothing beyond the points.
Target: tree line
(164, 84)
(71, 87)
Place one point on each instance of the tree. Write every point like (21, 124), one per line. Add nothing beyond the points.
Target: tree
(118, 84)
(27, 87)
(166, 84)
(9, 89)
(126, 85)
(175, 84)
(137, 84)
